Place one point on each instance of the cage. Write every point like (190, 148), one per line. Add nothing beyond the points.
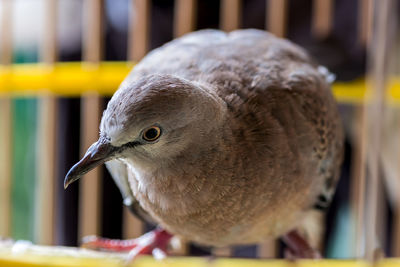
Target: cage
(61, 61)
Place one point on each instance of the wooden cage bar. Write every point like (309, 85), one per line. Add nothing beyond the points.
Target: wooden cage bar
(230, 19)
(139, 29)
(321, 27)
(230, 15)
(276, 21)
(267, 249)
(396, 222)
(184, 22)
(6, 32)
(396, 240)
(359, 158)
(378, 58)
(49, 53)
(365, 17)
(138, 42)
(357, 184)
(5, 123)
(89, 194)
(322, 17)
(47, 115)
(184, 17)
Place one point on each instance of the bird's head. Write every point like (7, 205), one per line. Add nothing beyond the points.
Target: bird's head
(152, 120)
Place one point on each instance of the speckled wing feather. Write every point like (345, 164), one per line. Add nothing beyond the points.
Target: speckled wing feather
(317, 105)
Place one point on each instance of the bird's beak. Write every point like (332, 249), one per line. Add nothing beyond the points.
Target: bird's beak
(97, 154)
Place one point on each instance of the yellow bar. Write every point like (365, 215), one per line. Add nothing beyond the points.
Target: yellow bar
(66, 79)
(350, 92)
(77, 78)
(37, 256)
(25, 254)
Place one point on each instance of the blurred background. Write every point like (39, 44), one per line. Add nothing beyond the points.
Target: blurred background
(61, 60)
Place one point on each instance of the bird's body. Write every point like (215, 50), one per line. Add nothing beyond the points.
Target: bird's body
(251, 138)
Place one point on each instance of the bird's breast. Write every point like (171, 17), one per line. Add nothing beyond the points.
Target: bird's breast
(230, 206)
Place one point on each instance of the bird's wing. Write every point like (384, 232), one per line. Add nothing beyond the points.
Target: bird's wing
(119, 173)
(319, 108)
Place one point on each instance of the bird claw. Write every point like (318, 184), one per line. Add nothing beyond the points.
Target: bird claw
(158, 253)
(298, 247)
(106, 244)
(152, 243)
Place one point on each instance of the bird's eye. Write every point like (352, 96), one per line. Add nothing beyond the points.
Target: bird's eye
(151, 134)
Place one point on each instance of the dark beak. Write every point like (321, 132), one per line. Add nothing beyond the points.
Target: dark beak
(97, 154)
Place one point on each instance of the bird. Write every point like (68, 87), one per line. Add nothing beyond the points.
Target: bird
(222, 138)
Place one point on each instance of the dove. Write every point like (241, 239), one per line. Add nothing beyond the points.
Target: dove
(222, 139)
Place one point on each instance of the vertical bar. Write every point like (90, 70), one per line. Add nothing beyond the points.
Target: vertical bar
(358, 181)
(230, 20)
(49, 51)
(138, 41)
(377, 86)
(365, 13)
(93, 32)
(5, 165)
(322, 17)
(222, 252)
(230, 15)
(184, 22)
(132, 226)
(6, 31)
(139, 29)
(185, 17)
(276, 13)
(267, 249)
(396, 220)
(379, 59)
(5, 124)
(395, 244)
(89, 194)
(382, 215)
(357, 195)
(277, 17)
(47, 114)
(396, 229)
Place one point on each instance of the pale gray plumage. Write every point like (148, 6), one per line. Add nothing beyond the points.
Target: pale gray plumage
(251, 139)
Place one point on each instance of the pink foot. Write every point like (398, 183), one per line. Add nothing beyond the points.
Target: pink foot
(106, 244)
(152, 243)
(298, 247)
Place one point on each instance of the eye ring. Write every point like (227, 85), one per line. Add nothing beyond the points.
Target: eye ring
(151, 134)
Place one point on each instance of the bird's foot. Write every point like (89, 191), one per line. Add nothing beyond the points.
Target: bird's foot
(152, 243)
(298, 247)
(107, 244)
